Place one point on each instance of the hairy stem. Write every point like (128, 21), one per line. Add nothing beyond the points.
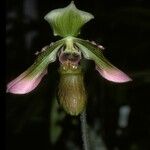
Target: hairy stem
(84, 131)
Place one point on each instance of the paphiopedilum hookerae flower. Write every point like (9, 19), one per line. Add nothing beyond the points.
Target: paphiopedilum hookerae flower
(66, 23)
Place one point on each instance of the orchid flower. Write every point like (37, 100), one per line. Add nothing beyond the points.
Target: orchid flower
(66, 23)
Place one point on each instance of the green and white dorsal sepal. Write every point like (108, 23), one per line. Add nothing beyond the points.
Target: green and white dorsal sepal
(67, 21)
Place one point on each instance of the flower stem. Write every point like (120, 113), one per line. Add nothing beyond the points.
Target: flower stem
(84, 131)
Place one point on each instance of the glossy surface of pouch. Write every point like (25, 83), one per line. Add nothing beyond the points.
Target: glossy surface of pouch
(71, 93)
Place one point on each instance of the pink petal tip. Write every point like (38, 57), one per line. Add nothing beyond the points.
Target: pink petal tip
(114, 74)
(24, 84)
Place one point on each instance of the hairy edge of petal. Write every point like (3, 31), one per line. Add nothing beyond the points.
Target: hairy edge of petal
(113, 74)
(24, 84)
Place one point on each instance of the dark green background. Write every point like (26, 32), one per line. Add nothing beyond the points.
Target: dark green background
(123, 28)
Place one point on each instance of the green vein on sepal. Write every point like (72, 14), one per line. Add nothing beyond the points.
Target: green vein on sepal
(67, 21)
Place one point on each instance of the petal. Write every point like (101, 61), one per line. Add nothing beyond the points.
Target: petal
(24, 84)
(29, 79)
(103, 66)
(113, 74)
(67, 21)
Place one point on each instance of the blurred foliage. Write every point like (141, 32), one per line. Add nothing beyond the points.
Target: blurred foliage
(35, 121)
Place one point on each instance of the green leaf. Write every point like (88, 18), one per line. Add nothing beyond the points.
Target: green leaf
(56, 117)
(67, 21)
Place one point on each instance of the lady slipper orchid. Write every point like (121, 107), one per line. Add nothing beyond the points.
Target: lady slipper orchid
(66, 23)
